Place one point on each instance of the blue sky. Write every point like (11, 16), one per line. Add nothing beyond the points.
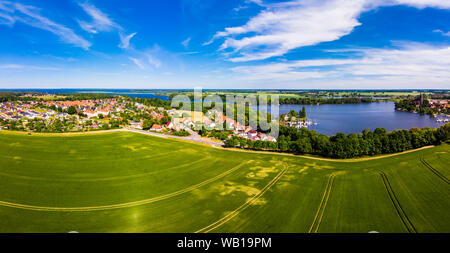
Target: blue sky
(296, 44)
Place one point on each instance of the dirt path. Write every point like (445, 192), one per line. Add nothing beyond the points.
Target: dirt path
(324, 159)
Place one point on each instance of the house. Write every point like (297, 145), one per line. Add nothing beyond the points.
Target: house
(90, 114)
(169, 125)
(263, 137)
(271, 138)
(137, 125)
(252, 133)
(156, 127)
(104, 112)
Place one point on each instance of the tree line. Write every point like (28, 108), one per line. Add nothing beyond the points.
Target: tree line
(318, 100)
(366, 143)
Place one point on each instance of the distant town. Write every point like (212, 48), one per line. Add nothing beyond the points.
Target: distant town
(33, 114)
(424, 105)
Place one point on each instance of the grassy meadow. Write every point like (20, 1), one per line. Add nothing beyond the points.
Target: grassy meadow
(129, 182)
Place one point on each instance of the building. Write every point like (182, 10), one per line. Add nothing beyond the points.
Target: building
(169, 125)
(156, 127)
(137, 125)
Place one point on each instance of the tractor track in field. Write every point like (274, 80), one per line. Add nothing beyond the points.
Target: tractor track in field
(401, 213)
(437, 173)
(83, 180)
(123, 205)
(323, 205)
(234, 213)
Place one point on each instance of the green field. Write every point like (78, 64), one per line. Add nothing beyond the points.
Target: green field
(128, 182)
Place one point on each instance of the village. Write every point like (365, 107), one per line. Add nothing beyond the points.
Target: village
(118, 112)
(437, 108)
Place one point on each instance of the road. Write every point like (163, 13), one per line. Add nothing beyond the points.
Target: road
(194, 136)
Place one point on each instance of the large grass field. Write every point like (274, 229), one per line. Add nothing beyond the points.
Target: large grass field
(129, 182)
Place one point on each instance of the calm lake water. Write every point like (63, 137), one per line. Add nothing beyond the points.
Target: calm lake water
(125, 92)
(350, 118)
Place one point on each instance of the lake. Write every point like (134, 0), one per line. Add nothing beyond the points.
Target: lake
(124, 92)
(354, 118)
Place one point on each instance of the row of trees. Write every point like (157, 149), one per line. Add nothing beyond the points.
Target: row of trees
(367, 143)
(317, 100)
(300, 114)
(153, 102)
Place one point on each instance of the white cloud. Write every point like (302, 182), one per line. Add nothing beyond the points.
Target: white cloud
(284, 26)
(27, 67)
(11, 66)
(185, 43)
(100, 21)
(188, 53)
(146, 61)
(410, 63)
(258, 2)
(154, 61)
(137, 62)
(447, 34)
(6, 19)
(125, 40)
(442, 4)
(30, 15)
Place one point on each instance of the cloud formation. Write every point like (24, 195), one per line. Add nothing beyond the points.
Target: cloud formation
(11, 66)
(447, 34)
(155, 62)
(11, 13)
(281, 27)
(100, 21)
(409, 63)
(146, 61)
(186, 42)
(125, 40)
(137, 62)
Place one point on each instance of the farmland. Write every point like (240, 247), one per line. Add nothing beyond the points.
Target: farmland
(129, 182)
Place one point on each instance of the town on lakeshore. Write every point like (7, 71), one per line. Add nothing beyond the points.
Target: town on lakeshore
(39, 112)
(52, 115)
(81, 112)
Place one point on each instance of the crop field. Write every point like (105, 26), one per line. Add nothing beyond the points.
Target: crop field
(129, 182)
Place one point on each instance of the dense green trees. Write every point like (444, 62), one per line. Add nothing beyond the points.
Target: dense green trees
(318, 100)
(217, 134)
(72, 110)
(367, 143)
(302, 113)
